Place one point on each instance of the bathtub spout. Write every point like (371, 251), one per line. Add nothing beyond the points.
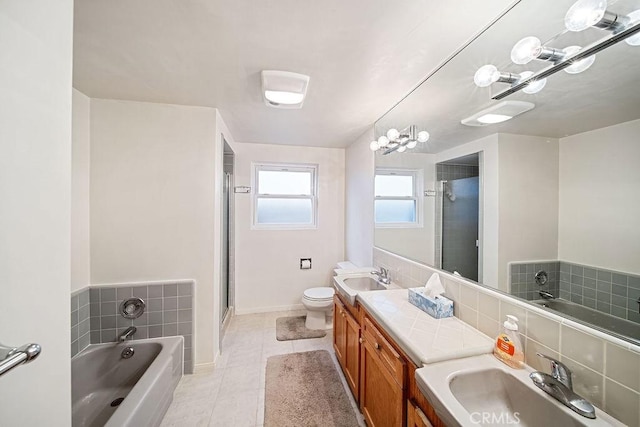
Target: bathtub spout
(128, 333)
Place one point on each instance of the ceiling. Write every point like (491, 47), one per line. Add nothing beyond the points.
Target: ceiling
(604, 95)
(362, 56)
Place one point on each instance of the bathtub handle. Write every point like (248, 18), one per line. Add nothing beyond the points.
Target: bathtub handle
(10, 357)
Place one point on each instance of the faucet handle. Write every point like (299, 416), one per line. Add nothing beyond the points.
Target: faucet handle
(559, 371)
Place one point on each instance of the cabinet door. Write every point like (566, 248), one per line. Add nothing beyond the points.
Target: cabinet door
(339, 323)
(352, 354)
(415, 417)
(381, 397)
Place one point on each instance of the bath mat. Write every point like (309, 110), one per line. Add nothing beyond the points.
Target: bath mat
(293, 328)
(304, 389)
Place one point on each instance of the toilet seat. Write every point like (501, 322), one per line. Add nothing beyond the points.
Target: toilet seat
(319, 294)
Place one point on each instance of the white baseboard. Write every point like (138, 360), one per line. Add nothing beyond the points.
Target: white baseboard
(205, 367)
(240, 311)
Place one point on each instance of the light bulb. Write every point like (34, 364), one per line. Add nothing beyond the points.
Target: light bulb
(533, 87)
(383, 141)
(486, 75)
(402, 149)
(393, 134)
(374, 146)
(412, 143)
(423, 136)
(634, 17)
(584, 14)
(581, 65)
(525, 50)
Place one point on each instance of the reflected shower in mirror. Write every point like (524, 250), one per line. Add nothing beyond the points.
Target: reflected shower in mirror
(557, 183)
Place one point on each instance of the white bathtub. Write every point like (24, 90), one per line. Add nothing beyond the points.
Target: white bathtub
(144, 383)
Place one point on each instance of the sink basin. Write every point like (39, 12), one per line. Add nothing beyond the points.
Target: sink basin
(496, 391)
(364, 284)
(482, 391)
(349, 285)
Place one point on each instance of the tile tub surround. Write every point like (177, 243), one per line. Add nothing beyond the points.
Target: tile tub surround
(522, 282)
(606, 370)
(80, 323)
(168, 312)
(607, 291)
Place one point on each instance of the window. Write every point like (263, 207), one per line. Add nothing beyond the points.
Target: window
(398, 202)
(285, 196)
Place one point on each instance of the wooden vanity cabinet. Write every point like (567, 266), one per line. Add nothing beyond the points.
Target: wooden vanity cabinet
(346, 343)
(382, 379)
(415, 416)
(381, 376)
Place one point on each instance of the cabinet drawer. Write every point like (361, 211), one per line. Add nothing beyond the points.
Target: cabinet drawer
(390, 358)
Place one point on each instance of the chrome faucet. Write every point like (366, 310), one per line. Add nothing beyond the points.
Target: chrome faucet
(383, 275)
(546, 295)
(127, 334)
(559, 386)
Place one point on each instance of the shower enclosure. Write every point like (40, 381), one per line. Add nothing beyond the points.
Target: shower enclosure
(227, 276)
(458, 216)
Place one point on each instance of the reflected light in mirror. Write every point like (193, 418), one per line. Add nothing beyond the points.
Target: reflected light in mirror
(635, 18)
(584, 14)
(533, 87)
(578, 66)
(493, 118)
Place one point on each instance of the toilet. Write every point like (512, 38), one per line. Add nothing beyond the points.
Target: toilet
(319, 305)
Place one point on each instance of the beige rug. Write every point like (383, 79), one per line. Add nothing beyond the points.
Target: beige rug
(292, 328)
(304, 389)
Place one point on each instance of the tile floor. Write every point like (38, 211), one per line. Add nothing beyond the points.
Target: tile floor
(232, 393)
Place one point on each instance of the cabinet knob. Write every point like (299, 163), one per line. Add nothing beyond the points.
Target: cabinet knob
(376, 345)
(361, 340)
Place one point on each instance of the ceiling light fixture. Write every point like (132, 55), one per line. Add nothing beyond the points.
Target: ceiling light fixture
(530, 48)
(593, 13)
(284, 89)
(498, 113)
(572, 59)
(489, 74)
(399, 141)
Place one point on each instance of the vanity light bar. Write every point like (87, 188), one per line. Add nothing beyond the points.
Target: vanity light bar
(570, 59)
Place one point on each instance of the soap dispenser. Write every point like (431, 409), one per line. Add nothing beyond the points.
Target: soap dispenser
(508, 346)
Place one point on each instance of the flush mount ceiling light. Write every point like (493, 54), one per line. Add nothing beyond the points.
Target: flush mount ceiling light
(284, 89)
(399, 141)
(498, 113)
(573, 59)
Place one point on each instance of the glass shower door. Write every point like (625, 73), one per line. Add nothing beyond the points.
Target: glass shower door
(460, 208)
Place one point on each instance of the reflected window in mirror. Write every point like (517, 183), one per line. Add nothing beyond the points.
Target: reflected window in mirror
(397, 198)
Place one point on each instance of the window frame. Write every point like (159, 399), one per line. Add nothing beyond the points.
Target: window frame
(417, 197)
(284, 167)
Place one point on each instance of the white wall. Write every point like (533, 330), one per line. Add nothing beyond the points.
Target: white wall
(414, 243)
(35, 212)
(80, 149)
(489, 201)
(599, 203)
(359, 193)
(153, 199)
(528, 200)
(268, 275)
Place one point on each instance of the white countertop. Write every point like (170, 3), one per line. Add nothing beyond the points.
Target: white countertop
(425, 339)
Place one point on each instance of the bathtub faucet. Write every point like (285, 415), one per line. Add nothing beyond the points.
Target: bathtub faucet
(128, 333)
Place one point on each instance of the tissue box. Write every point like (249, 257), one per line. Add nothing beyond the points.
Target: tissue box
(438, 307)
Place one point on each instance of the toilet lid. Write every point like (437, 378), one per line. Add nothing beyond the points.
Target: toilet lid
(319, 293)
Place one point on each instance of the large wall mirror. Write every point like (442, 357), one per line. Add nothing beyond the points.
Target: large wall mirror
(545, 205)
